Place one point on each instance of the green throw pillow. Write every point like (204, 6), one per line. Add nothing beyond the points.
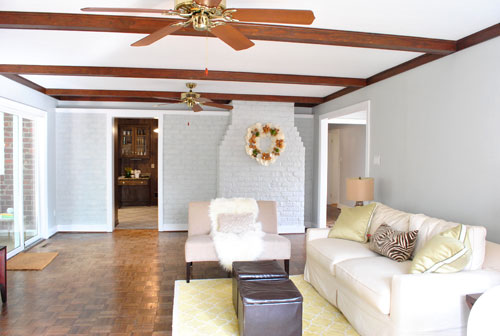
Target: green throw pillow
(353, 223)
(447, 252)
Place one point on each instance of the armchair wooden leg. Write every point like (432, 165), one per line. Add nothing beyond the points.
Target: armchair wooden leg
(189, 266)
(287, 266)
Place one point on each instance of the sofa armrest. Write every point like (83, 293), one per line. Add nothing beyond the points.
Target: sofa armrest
(313, 234)
(436, 301)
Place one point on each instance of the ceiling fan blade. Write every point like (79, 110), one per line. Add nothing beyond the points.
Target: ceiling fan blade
(168, 101)
(221, 106)
(208, 3)
(128, 10)
(204, 100)
(197, 108)
(287, 16)
(232, 36)
(155, 36)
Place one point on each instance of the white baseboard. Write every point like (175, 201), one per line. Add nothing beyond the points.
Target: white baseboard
(174, 227)
(83, 228)
(291, 229)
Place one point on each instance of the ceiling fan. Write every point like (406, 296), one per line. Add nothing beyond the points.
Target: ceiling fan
(213, 16)
(194, 100)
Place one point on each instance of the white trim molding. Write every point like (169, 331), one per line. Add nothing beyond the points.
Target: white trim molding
(83, 228)
(174, 227)
(323, 122)
(291, 229)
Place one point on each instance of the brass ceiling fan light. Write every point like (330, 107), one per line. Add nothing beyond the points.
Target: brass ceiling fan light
(215, 17)
(194, 100)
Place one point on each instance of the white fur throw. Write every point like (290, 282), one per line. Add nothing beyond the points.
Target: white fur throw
(245, 246)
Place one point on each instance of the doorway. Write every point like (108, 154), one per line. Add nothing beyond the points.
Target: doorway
(136, 173)
(358, 114)
(346, 158)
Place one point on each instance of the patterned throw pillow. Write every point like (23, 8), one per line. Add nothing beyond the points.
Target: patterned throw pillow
(236, 223)
(397, 245)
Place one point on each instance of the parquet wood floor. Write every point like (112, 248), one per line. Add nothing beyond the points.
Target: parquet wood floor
(138, 217)
(107, 284)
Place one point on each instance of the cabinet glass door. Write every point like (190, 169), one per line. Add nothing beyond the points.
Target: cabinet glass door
(141, 143)
(127, 141)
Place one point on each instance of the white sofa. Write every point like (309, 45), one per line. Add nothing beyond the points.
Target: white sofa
(379, 297)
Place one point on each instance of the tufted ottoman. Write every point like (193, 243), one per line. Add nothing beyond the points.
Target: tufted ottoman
(255, 270)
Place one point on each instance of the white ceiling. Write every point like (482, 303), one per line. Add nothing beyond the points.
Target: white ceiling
(447, 19)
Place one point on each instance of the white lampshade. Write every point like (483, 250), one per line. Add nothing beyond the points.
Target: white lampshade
(360, 189)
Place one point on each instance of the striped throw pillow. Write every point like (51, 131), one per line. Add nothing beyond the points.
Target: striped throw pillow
(397, 245)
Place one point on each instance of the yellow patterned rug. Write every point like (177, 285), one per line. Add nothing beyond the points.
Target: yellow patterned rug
(205, 307)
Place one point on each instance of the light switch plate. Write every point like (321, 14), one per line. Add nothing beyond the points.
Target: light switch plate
(376, 160)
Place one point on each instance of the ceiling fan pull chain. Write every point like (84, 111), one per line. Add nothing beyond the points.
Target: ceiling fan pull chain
(206, 55)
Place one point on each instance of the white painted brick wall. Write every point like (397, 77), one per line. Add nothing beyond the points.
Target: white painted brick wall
(189, 162)
(241, 176)
(305, 127)
(81, 170)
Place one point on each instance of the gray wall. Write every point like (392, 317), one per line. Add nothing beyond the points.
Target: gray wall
(305, 126)
(81, 171)
(437, 130)
(189, 162)
(20, 93)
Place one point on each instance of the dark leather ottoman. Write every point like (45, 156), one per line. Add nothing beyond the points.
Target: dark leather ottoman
(255, 270)
(269, 307)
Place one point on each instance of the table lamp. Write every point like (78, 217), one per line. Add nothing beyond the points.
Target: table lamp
(360, 189)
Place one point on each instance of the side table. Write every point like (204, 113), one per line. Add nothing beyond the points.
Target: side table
(3, 273)
(470, 299)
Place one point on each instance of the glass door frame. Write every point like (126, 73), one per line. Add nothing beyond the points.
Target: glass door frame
(39, 119)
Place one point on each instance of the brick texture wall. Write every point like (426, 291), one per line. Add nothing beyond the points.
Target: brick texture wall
(284, 181)
(28, 166)
(81, 170)
(190, 146)
(305, 126)
(7, 180)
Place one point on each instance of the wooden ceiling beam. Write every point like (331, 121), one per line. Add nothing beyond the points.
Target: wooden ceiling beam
(147, 25)
(466, 42)
(158, 95)
(213, 75)
(26, 82)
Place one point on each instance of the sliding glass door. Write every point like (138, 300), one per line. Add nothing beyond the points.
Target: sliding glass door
(19, 174)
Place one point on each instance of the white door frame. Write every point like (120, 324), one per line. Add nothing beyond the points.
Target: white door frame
(110, 187)
(39, 118)
(323, 153)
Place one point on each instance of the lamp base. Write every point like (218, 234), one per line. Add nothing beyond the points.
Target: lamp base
(359, 203)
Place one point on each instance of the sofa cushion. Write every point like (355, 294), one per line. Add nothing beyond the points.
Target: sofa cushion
(396, 219)
(353, 223)
(428, 227)
(447, 252)
(275, 247)
(236, 223)
(371, 279)
(394, 244)
(330, 251)
(201, 248)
